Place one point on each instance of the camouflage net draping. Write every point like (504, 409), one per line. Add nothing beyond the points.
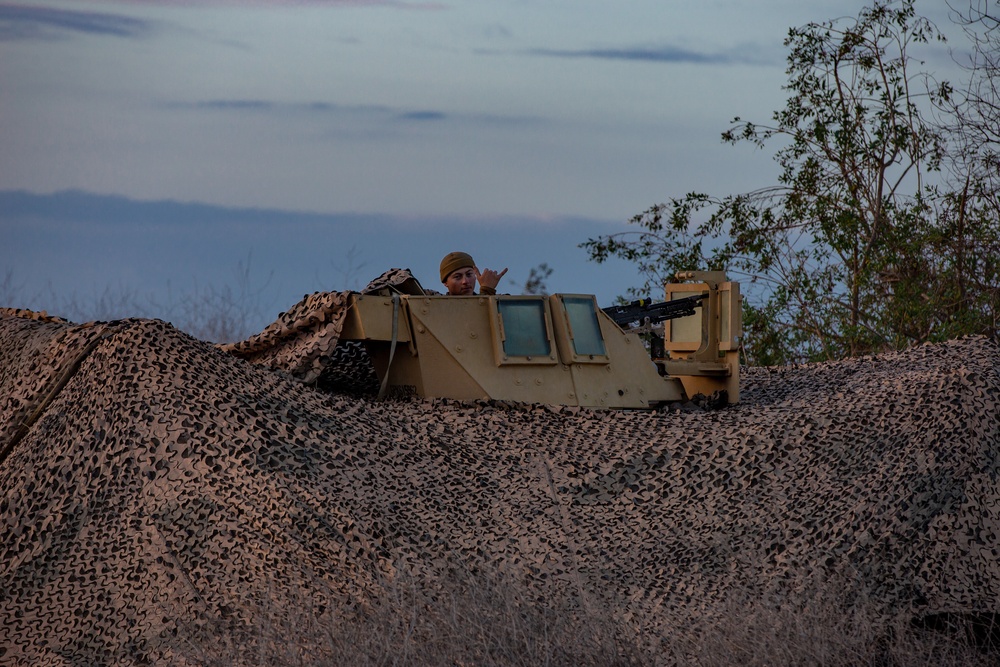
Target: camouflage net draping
(304, 341)
(149, 479)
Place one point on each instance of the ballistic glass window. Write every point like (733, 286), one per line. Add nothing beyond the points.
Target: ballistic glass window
(584, 327)
(525, 333)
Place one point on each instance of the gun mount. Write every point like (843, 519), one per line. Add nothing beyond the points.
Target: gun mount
(560, 349)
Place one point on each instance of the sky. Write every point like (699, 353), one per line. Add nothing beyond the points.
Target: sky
(380, 133)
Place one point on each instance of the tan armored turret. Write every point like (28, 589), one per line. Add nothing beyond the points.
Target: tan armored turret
(560, 349)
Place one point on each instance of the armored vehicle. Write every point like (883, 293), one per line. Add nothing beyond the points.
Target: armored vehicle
(560, 349)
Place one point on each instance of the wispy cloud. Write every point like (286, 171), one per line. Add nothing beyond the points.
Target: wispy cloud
(660, 54)
(423, 115)
(18, 22)
(401, 4)
(371, 111)
(231, 105)
(269, 106)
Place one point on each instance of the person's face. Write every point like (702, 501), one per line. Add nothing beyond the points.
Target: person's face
(461, 282)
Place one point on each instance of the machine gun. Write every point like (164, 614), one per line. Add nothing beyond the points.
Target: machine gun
(647, 314)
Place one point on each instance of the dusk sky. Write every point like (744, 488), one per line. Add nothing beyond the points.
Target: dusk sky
(517, 114)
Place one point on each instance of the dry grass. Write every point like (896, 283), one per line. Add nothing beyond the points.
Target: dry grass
(832, 623)
(228, 313)
(468, 620)
(493, 620)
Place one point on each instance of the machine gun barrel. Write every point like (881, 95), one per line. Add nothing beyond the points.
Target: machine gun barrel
(647, 313)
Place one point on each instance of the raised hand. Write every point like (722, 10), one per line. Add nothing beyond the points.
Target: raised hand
(489, 277)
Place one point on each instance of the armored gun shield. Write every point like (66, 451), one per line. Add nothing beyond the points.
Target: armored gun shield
(560, 349)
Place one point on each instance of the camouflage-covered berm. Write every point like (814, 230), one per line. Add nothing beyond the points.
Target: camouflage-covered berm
(149, 479)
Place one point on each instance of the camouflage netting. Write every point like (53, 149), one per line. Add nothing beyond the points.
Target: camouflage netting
(304, 341)
(150, 479)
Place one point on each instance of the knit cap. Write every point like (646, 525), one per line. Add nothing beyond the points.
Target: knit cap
(454, 261)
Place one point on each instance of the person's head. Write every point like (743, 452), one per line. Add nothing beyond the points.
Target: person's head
(458, 273)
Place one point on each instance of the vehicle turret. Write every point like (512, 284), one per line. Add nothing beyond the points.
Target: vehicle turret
(560, 349)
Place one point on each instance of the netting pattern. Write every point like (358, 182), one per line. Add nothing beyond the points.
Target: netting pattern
(304, 341)
(167, 477)
(301, 339)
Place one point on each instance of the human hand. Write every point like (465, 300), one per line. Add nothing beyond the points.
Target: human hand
(489, 277)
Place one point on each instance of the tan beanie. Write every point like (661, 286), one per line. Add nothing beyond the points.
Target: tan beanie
(454, 261)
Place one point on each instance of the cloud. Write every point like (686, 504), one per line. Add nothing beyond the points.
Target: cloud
(423, 115)
(370, 111)
(19, 22)
(51, 242)
(24, 22)
(232, 105)
(400, 4)
(661, 54)
(268, 106)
